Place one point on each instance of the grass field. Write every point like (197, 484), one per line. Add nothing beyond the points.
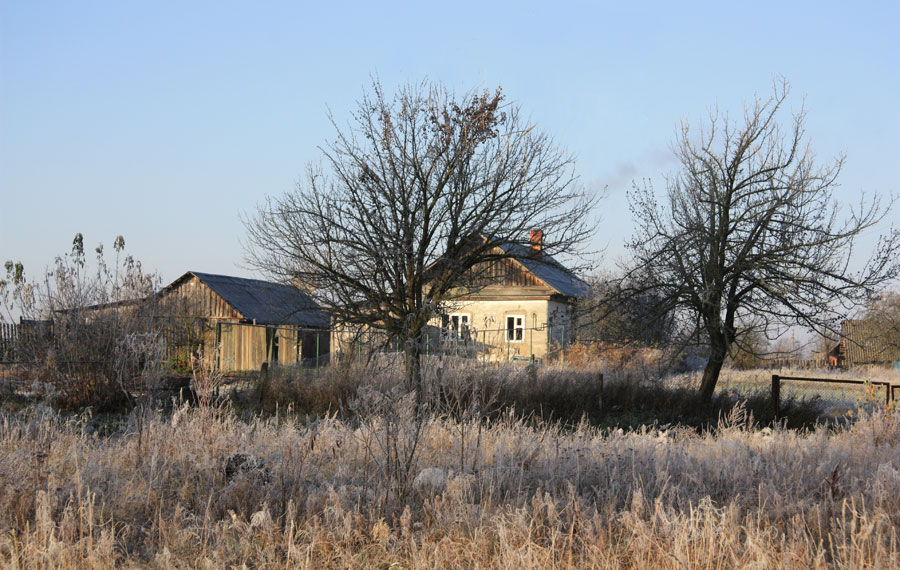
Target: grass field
(203, 488)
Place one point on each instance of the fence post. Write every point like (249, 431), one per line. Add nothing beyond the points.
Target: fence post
(562, 346)
(218, 346)
(776, 394)
(317, 351)
(600, 397)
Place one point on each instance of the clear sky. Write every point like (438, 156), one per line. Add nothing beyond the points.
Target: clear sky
(165, 121)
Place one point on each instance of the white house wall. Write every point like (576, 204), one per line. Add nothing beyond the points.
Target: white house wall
(488, 332)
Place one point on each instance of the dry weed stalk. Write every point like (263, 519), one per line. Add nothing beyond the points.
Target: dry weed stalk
(206, 377)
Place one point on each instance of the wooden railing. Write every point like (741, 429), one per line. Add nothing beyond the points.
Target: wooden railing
(777, 379)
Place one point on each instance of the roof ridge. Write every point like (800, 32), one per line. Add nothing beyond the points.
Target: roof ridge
(233, 276)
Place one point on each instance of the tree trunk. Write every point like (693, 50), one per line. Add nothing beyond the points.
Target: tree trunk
(414, 378)
(718, 350)
(413, 365)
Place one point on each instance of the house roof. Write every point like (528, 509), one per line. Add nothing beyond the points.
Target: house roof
(548, 270)
(263, 301)
(864, 342)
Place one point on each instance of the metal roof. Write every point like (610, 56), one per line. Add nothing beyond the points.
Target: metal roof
(264, 301)
(548, 270)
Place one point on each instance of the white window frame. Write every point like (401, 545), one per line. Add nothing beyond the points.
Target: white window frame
(462, 328)
(518, 326)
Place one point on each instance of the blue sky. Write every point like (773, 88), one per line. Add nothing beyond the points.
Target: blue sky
(165, 121)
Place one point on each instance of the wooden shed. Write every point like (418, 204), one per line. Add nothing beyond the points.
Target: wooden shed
(863, 342)
(250, 321)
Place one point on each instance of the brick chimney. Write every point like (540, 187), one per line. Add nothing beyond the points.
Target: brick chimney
(537, 241)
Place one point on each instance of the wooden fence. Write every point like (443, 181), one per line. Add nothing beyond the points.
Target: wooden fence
(778, 380)
(797, 363)
(9, 338)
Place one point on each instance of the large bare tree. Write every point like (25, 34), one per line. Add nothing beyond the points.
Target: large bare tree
(749, 231)
(412, 197)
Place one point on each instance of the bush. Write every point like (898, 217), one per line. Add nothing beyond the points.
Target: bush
(303, 390)
(84, 329)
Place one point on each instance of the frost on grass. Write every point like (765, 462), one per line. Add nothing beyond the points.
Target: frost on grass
(539, 496)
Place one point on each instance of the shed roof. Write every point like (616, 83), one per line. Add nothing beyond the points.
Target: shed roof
(263, 301)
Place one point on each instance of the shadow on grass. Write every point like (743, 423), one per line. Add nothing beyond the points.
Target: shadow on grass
(537, 394)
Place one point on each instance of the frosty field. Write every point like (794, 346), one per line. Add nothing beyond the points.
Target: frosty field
(202, 487)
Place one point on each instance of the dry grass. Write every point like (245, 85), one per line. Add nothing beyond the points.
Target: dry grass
(201, 488)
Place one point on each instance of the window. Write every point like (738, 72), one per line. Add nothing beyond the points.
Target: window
(515, 328)
(456, 325)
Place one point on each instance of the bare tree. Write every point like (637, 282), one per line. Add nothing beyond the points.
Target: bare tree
(750, 232)
(418, 193)
(614, 312)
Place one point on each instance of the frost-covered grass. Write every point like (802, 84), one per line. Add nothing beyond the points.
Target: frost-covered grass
(202, 488)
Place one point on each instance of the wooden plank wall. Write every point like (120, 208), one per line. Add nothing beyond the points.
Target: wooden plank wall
(193, 298)
(243, 346)
(288, 349)
(504, 273)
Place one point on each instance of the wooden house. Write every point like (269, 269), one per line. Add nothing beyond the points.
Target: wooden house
(250, 321)
(526, 309)
(523, 308)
